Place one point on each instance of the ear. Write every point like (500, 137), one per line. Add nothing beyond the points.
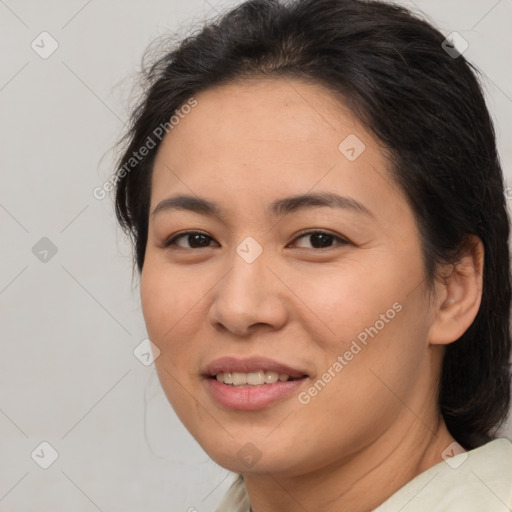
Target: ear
(458, 294)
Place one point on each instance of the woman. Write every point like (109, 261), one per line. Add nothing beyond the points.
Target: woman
(319, 222)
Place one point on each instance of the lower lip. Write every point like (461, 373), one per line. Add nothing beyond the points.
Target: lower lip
(249, 398)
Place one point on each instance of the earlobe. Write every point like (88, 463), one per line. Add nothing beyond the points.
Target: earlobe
(459, 295)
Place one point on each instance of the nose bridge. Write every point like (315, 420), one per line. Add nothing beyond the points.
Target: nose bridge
(248, 294)
(247, 279)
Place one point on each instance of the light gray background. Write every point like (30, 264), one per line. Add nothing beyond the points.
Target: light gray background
(68, 375)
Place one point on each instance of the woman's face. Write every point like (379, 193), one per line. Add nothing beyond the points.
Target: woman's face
(260, 293)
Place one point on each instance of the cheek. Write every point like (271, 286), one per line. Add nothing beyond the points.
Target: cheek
(374, 335)
(168, 297)
(342, 301)
(165, 315)
(156, 305)
(363, 383)
(166, 300)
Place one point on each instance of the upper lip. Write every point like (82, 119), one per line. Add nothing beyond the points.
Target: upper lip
(250, 364)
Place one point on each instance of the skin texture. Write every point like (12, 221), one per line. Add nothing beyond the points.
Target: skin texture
(375, 425)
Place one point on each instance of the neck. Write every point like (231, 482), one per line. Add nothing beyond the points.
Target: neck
(360, 482)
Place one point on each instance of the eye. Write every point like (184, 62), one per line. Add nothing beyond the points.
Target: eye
(195, 239)
(322, 239)
(200, 240)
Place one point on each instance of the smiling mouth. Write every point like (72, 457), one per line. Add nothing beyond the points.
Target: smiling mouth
(256, 378)
(252, 383)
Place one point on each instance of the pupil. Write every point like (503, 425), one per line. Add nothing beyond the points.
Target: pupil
(195, 238)
(324, 240)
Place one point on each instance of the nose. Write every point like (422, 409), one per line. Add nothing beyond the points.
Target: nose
(249, 298)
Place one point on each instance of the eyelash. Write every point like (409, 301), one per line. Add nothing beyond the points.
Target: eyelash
(341, 241)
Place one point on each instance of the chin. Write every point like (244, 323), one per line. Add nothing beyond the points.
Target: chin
(247, 461)
(246, 456)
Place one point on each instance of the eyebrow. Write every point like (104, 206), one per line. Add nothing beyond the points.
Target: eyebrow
(278, 207)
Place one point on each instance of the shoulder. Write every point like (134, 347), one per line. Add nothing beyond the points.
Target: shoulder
(473, 481)
(236, 498)
(480, 479)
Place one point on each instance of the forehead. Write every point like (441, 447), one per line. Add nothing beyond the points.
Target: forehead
(275, 137)
(257, 113)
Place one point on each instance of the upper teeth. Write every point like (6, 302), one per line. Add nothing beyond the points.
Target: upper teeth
(253, 378)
